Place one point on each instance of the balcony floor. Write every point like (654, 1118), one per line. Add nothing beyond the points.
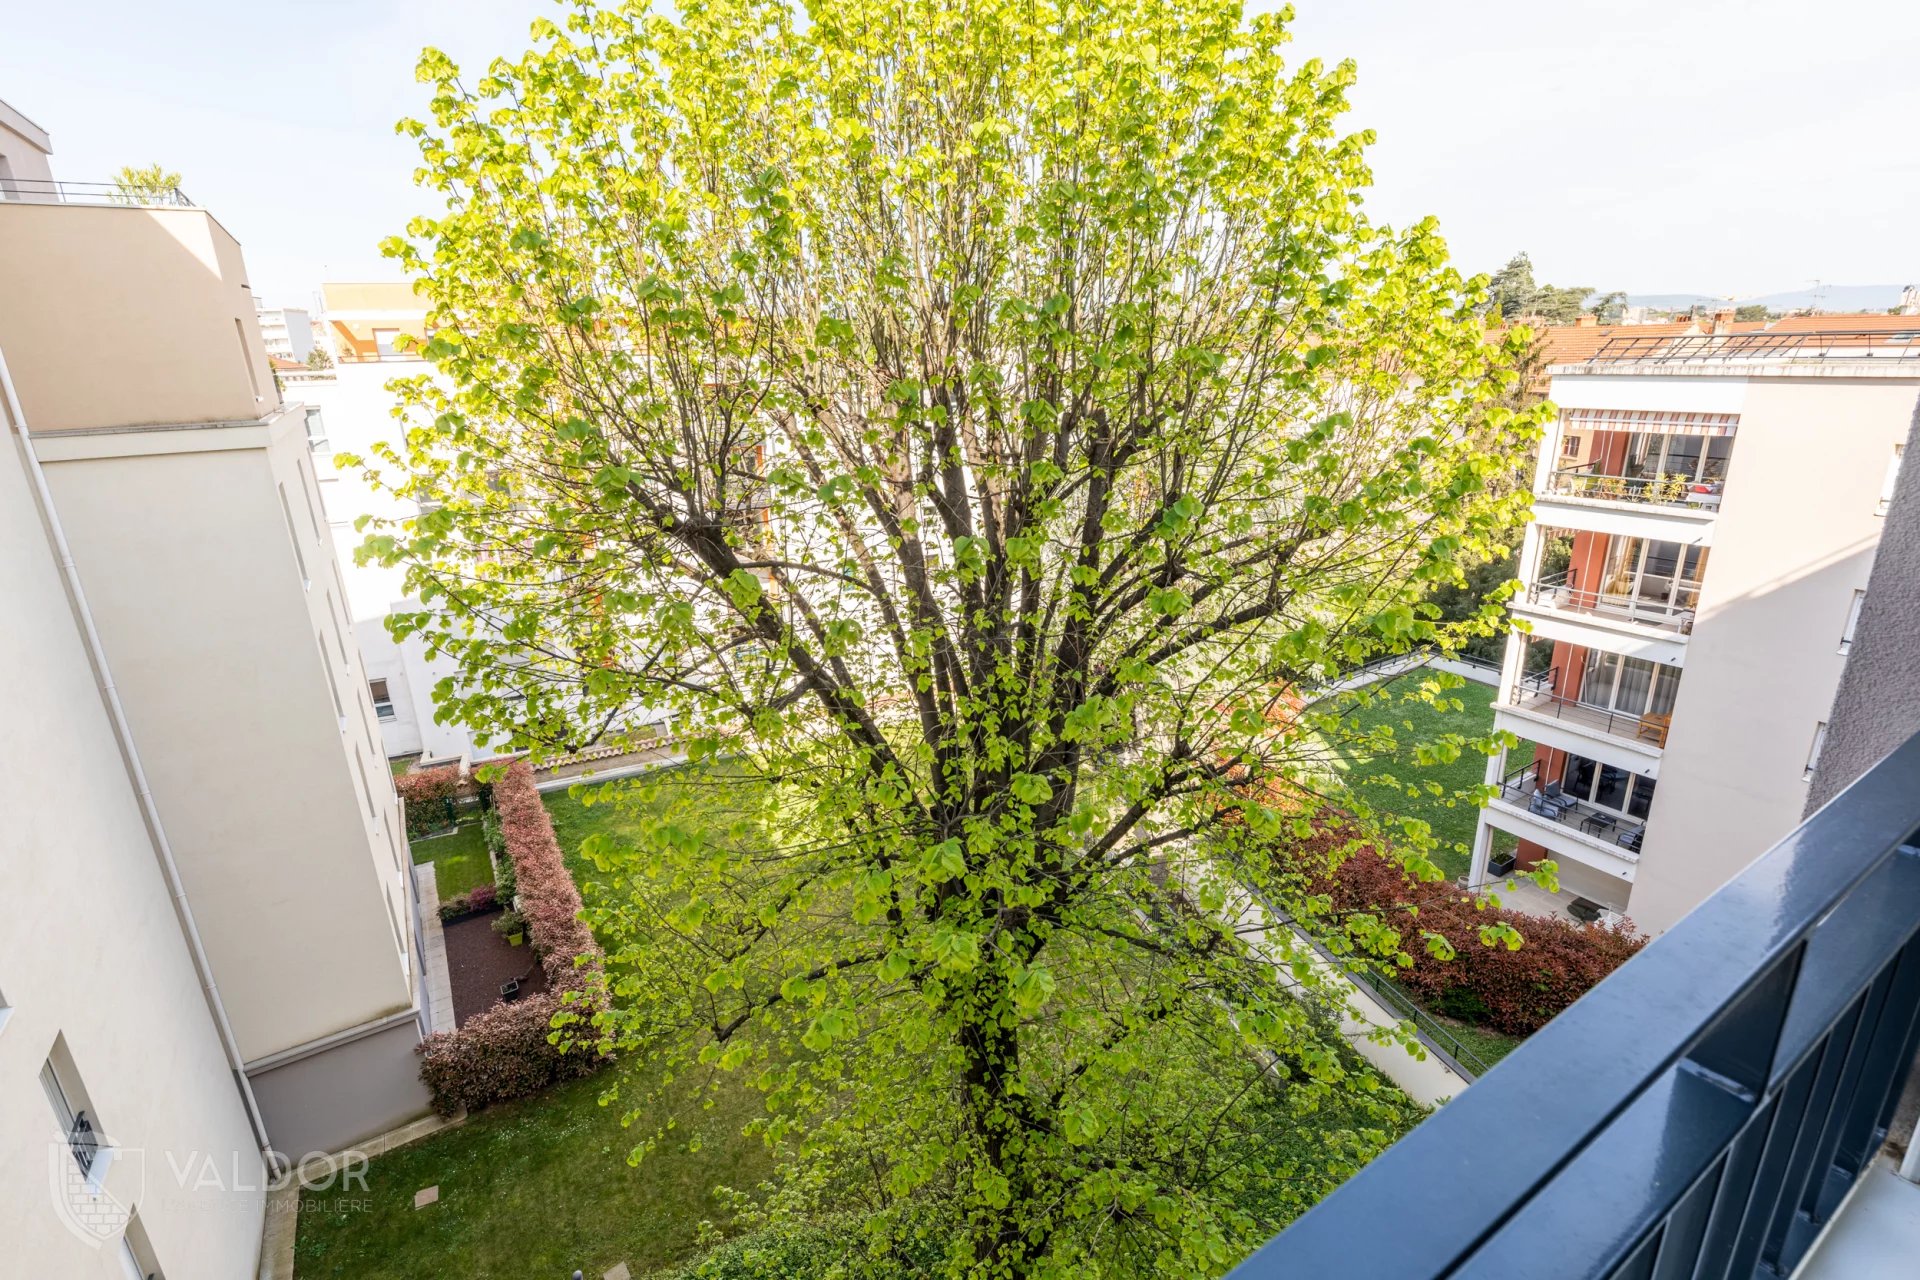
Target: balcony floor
(1877, 1232)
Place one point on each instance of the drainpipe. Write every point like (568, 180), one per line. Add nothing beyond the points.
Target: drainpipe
(123, 735)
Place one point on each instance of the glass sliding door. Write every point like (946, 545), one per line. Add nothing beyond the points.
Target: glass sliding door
(1603, 786)
(1628, 686)
(1648, 576)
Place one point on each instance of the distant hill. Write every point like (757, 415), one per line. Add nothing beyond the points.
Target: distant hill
(1833, 297)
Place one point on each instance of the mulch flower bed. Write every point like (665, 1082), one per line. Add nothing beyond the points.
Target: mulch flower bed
(479, 960)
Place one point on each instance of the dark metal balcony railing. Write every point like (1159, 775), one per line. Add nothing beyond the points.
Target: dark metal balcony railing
(1832, 344)
(83, 1142)
(1522, 789)
(45, 191)
(1668, 489)
(1627, 606)
(1537, 694)
(1701, 1112)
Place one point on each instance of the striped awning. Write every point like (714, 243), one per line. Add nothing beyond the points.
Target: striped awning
(1657, 422)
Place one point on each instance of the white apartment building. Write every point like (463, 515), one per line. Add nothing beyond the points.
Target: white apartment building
(215, 941)
(349, 410)
(1706, 512)
(286, 332)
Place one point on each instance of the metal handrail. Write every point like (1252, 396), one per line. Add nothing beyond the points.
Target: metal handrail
(1544, 694)
(1825, 344)
(1441, 1041)
(83, 1142)
(1628, 606)
(1515, 790)
(1712, 1102)
(53, 191)
(1668, 489)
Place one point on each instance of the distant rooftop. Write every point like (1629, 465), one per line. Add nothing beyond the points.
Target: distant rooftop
(1720, 340)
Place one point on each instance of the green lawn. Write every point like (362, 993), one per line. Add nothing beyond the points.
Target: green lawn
(459, 858)
(1486, 1044)
(540, 1187)
(713, 799)
(1452, 820)
(534, 1188)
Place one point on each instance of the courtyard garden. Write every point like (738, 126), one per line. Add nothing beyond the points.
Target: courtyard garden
(1400, 789)
(533, 1188)
(541, 1184)
(459, 857)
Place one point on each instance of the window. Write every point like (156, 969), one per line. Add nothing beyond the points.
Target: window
(383, 343)
(1607, 787)
(346, 608)
(339, 712)
(1893, 478)
(1570, 447)
(366, 788)
(1853, 622)
(382, 700)
(69, 1104)
(316, 431)
(1631, 686)
(307, 492)
(1813, 752)
(299, 556)
(246, 357)
(136, 1253)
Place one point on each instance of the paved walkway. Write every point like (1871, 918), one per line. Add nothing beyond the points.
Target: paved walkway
(433, 948)
(607, 768)
(1387, 669)
(1426, 1080)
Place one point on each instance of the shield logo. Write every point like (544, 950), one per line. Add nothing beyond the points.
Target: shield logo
(78, 1178)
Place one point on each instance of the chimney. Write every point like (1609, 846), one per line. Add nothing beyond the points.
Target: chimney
(1588, 320)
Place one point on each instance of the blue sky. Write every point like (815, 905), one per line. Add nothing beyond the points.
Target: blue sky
(1679, 145)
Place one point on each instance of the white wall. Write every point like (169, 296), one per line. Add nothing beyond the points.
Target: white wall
(281, 809)
(23, 149)
(1795, 538)
(357, 410)
(91, 951)
(399, 735)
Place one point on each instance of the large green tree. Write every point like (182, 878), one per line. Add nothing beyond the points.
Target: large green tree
(979, 423)
(1513, 294)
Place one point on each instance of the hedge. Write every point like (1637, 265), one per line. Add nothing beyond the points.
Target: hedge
(512, 1050)
(1511, 991)
(428, 794)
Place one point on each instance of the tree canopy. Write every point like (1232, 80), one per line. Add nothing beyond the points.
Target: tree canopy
(146, 184)
(1513, 294)
(983, 427)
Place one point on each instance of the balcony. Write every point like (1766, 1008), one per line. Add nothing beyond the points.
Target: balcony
(1647, 600)
(1613, 832)
(1720, 1106)
(1666, 489)
(1641, 731)
(85, 270)
(51, 191)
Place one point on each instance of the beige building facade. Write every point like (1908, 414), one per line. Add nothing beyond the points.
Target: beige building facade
(1706, 516)
(220, 944)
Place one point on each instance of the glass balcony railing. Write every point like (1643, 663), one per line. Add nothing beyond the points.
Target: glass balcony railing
(1706, 1110)
(1649, 600)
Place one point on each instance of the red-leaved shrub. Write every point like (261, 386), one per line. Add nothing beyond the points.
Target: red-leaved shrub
(428, 794)
(1513, 991)
(512, 1049)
